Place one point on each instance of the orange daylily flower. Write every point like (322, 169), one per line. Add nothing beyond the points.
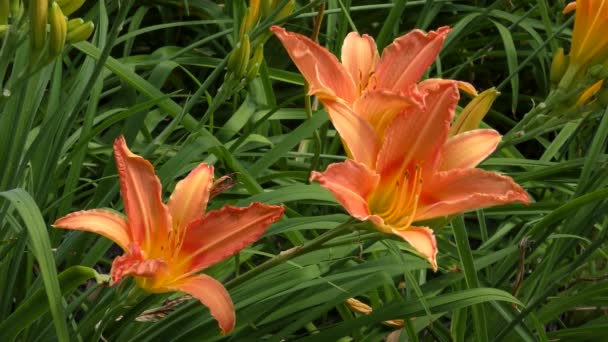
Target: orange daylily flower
(420, 172)
(167, 245)
(589, 40)
(365, 84)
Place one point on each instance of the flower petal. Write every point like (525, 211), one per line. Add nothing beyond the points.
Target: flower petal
(223, 233)
(134, 263)
(149, 220)
(189, 199)
(359, 57)
(103, 222)
(468, 149)
(352, 183)
(405, 60)
(460, 190)
(213, 295)
(321, 69)
(379, 107)
(422, 240)
(357, 134)
(416, 136)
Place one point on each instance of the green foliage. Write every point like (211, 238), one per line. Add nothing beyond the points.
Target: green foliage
(155, 72)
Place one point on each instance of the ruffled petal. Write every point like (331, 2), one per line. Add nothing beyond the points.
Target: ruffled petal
(149, 220)
(379, 107)
(223, 233)
(416, 136)
(189, 199)
(359, 57)
(468, 149)
(103, 222)
(321, 69)
(213, 295)
(358, 135)
(405, 60)
(352, 183)
(134, 263)
(461, 190)
(422, 240)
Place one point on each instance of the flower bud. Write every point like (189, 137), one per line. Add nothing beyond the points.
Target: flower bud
(71, 6)
(589, 92)
(255, 63)
(59, 30)
(247, 23)
(558, 66)
(287, 9)
(80, 33)
(239, 58)
(39, 10)
(74, 23)
(472, 114)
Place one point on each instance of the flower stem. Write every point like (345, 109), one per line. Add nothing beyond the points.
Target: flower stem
(291, 253)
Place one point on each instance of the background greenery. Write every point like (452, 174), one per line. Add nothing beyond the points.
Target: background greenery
(155, 71)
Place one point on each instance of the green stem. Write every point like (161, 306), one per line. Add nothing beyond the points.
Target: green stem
(291, 253)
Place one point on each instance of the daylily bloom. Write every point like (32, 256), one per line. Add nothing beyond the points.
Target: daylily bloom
(419, 173)
(365, 84)
(167, 245)
(589, 39)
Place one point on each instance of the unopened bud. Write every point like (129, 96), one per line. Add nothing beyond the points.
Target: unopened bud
(71, 6)
(239, 58)
(80, 33)
(472, 114)
(74, 23)
(558, 66)
(589, 92)
(287, 9)
(39, 10)
(247, 23)
(255, 63)
(59, 30)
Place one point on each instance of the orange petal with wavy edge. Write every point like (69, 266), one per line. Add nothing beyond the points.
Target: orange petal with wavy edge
(468, 149)
(134, 263)
(358, 135)
(379, 108)
(321, 69)
(461, 190)
(149, 220)
(405, 60)
(189, 199)
(103, 222)
(417, 136)
(359, 57)
(422, 240)
(352, 183)
(213, 295)
(224, 232)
